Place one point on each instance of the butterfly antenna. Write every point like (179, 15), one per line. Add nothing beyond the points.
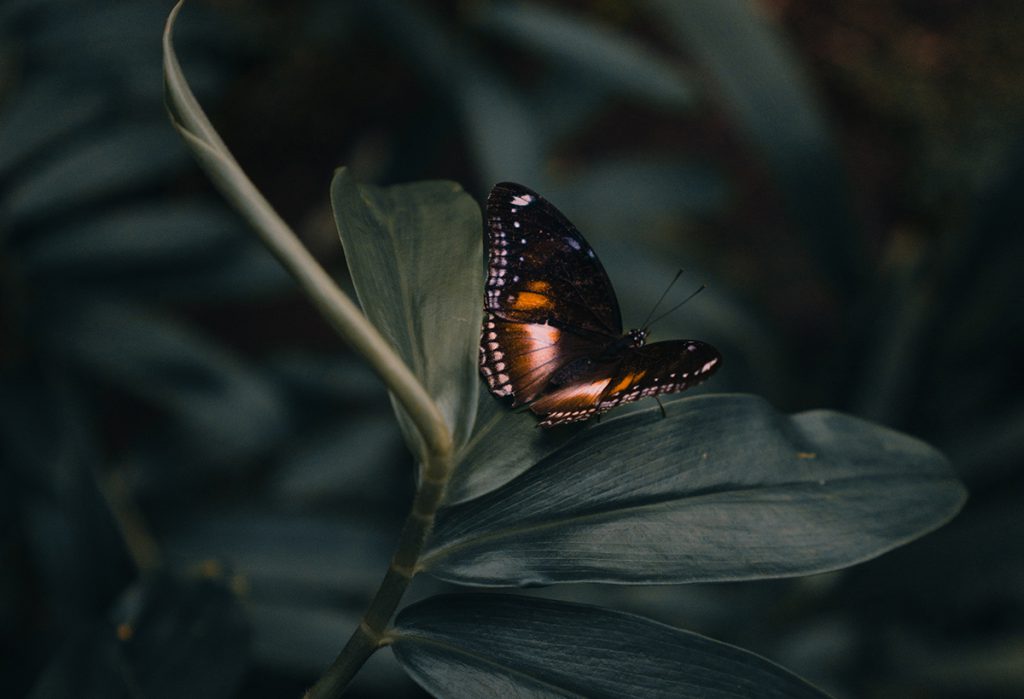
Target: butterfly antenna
(662, 298)
(700, 288)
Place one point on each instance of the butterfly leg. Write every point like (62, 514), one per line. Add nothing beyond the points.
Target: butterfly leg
(663, 413)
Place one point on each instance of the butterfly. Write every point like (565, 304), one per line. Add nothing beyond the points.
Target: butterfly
(552, 336)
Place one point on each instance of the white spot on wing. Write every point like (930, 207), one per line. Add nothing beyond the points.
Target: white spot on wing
(522, 199)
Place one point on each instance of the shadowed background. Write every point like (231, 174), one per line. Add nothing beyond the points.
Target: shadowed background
(200, 485)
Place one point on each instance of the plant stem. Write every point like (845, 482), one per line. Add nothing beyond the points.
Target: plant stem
(340, 311)
(369, 634)
(141, 545)
(344, 316)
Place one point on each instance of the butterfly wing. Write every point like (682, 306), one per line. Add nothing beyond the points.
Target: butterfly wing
(518, 359)
(541, 270)
(552, 315)
(662, 367)
(548, 300)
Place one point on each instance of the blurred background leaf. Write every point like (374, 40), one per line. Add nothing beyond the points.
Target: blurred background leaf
(844, 176)
(162, 638)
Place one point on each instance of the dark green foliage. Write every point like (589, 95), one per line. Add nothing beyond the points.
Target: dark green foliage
(723, 488)
(162, 638)
(167, 400)
(464, 646)
(412, 252)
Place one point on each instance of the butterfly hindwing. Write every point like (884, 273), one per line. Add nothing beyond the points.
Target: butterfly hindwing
(540, 269)
(655, 369)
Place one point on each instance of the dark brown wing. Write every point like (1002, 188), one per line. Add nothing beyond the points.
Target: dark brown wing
(541, 270)
(662, 367)
(518, 359)
(548, 300)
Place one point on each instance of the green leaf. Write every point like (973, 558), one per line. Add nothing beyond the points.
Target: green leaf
(94, 168)
(63, 520)
(143, 235)
(498, 121)
(415, 253)
(352, 459)
(501, 646)
(41, 116)
(501, 128)
(723, 488)
(218, 404)
(762, 87)
(298, 636)
(163, 638)
(185, 250)
(656, 190)
(504, 443)
(589, 50)
(282, 555)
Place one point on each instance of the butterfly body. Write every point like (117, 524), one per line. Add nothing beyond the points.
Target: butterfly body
(552, 336)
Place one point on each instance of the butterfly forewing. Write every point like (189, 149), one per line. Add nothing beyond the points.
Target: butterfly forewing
(541, 269)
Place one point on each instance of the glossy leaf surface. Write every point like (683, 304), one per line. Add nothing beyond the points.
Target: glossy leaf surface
(416, 254)
(723, 488)
(503, 646)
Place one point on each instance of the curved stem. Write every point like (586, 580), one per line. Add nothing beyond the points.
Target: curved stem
(369, 635)
(197, 131)
(339, 310)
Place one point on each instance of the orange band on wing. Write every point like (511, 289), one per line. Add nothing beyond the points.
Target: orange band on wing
(530, 301)
(627, 381)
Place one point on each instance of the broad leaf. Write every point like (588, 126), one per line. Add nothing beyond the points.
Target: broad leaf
(41, 115)
(163, 638)
(219, 405)
(354, 458)
(499, 124)
(504, 443)
(646, 194)
(589, 50)
(283, 556)
(51, 460)
(299, 637)
(501, 128)
(93, 168)
(762, 86)
(458, 646)
(416, 256)
(136, 238)
(723, 488)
